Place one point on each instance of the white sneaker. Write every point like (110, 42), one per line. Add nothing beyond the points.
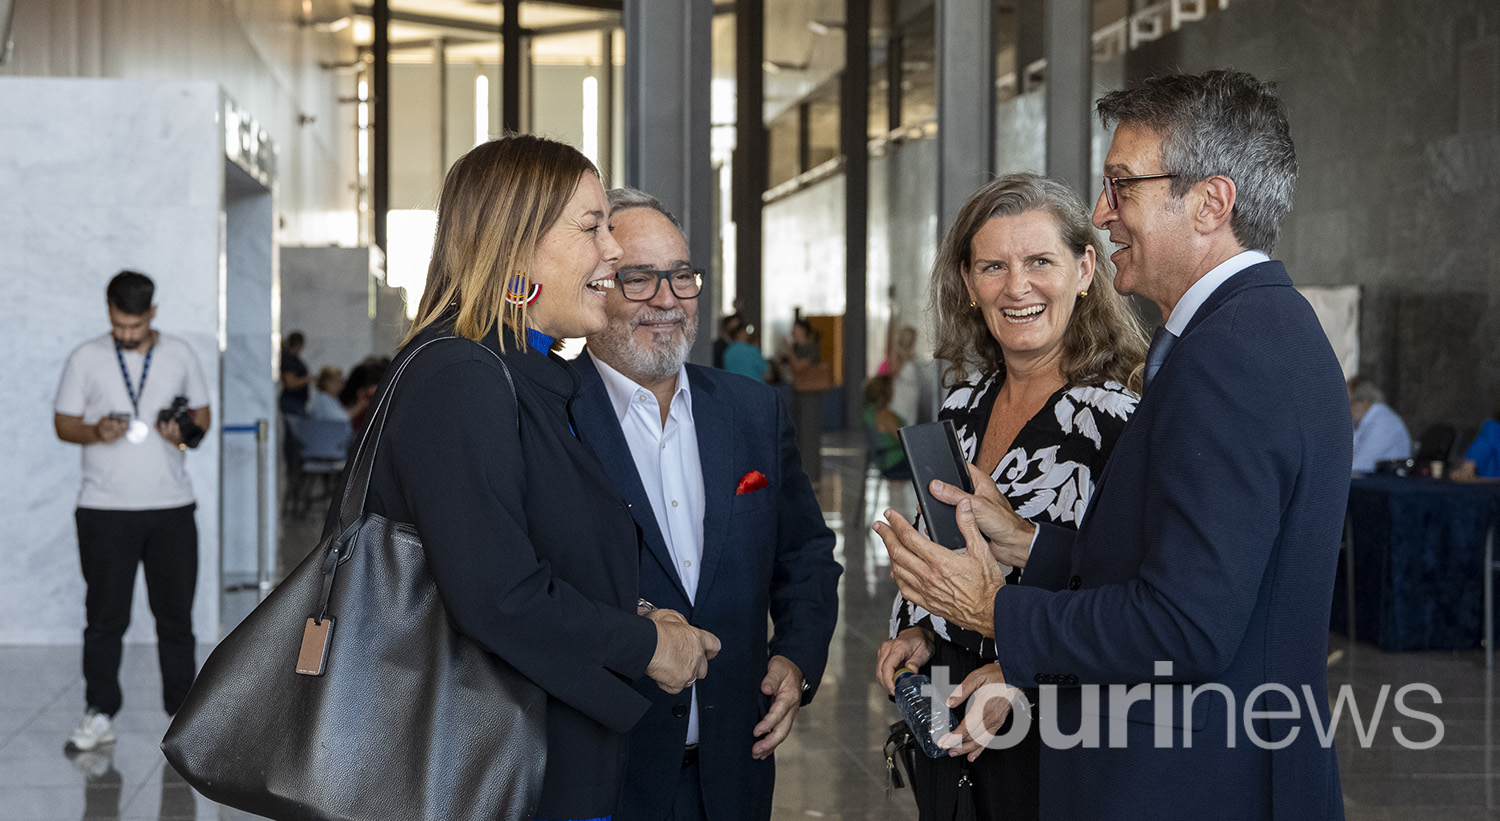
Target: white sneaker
(95, 730)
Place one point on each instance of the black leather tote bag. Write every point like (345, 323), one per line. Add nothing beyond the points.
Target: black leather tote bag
(347, 694)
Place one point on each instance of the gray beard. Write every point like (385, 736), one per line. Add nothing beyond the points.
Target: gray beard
(616, 345)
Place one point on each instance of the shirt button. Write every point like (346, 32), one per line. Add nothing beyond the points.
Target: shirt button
(687, 563)
(674, 503)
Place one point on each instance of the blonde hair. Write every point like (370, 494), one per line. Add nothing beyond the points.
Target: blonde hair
(498, 201)
(1104, 341)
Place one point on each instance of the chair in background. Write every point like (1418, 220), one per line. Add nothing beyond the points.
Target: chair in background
(1435, 444)
(320, 449)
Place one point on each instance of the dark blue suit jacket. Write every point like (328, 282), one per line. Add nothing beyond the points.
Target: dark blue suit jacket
(1210, 543)
(763, 552)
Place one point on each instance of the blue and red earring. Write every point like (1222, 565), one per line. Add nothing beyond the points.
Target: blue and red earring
(520, 290)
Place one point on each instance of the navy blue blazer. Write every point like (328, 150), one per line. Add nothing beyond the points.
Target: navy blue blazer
(763, 552)
(1210, 543)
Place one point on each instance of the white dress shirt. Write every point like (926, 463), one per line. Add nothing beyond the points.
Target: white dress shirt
(666, 457)
(1191, 301)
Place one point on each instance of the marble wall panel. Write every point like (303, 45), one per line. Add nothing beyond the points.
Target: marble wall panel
(803, 253)
(325, 294)
(250, 373)
(254, 49)
(81, 196)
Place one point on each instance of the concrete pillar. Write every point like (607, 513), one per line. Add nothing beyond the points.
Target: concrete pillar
(965, 102)
(668, 46)
(1068, 26)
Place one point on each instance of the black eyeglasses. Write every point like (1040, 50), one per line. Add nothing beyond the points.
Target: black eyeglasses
(1111, 186)
(642, 286)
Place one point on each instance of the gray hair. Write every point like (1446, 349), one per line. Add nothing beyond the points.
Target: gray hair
(1361, 390)
(624, 199)
(1103, 341)
(1220, 122)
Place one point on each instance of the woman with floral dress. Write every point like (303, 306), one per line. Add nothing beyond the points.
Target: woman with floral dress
(1043, 367)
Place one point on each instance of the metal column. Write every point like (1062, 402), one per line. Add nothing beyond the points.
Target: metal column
(751, 168)
(380, 125)
(854, 117)
(1068, 26)
(668, 45)
(965, 102)
(510, 68)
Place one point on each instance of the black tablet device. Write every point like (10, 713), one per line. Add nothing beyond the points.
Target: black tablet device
(932, 451)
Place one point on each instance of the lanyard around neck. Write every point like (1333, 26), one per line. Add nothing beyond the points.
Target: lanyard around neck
(134, 393)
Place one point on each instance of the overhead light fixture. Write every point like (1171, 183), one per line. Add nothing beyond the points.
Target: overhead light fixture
(777, 66)
(329, 26)
(824, 27)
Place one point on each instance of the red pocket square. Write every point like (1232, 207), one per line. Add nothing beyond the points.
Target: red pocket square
(750, 482)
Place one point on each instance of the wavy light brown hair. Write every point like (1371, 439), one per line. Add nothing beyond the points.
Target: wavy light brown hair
(498, 201)
(1104, 341)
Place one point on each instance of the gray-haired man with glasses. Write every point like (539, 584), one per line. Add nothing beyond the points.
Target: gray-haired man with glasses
(731, 532)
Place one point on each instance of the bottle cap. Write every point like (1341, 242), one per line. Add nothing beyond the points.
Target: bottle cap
(905, 671)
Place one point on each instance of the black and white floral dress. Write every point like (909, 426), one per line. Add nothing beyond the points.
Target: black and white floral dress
(1047, 474)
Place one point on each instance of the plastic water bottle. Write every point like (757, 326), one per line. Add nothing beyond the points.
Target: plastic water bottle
(917, 709)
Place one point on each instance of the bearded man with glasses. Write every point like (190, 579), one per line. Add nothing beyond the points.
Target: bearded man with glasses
(708, 464)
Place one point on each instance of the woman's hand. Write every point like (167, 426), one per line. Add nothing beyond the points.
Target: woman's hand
(682, 651)
(911, 647)
(985, 716)
(1009, 535)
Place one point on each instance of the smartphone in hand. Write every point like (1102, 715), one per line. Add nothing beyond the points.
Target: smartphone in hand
(121, 417)
(932, 451)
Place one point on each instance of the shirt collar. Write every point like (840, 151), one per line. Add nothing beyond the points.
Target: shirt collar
(622, 390)
(1206, 285)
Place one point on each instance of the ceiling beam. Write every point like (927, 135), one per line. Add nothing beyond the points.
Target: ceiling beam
(465, 24)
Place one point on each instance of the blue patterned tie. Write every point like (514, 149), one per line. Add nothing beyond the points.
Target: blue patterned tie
(1161, 343)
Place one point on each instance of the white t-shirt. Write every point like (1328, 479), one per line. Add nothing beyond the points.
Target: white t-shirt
(119, 475)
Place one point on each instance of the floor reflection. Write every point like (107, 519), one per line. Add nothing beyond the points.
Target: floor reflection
(831, 767)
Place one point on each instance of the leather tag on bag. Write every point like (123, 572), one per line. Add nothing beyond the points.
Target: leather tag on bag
(316, 639)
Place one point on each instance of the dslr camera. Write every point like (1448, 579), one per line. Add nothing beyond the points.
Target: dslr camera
(192, 435)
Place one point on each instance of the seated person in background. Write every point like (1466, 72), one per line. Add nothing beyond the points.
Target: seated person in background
(360, 388)
(741, 357)
(1482, 459)
(325, 400)
(1378, 432)
(881, 424)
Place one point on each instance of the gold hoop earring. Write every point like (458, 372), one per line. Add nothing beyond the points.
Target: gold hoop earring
(973, 304)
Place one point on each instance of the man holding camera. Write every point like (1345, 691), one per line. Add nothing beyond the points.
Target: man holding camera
(136, 400)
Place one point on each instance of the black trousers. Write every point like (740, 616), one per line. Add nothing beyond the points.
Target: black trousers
(687, 804)
(1003, 784)
(111, 543)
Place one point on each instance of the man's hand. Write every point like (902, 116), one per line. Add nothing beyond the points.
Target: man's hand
(958, 587)
(109, 429)
(783, 682)
(682, 651)
(170, 432)
(1009, 535)
(979, 727)
(911, 647)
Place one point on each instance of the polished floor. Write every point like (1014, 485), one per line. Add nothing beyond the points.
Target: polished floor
(830, 768)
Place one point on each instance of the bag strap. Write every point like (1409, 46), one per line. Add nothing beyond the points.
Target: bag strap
(352, 505)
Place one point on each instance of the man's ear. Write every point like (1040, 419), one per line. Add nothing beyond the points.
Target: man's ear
(1216, 204)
